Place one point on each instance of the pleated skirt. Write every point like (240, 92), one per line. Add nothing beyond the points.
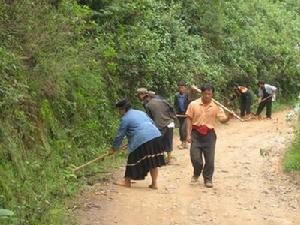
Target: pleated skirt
(146, 157)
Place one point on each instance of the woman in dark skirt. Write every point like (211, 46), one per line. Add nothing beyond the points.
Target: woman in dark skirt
(145, 147)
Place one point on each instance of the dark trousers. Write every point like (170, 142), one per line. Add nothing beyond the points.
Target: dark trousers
(203, 147)
(245, 102)
(167, 138)
(268, 105)
(182, 128)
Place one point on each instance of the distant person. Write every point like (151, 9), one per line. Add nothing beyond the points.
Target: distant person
(181, 102)
(164, 116)
(145, 146)
(201, 120)
(245, 98)
(266, 94)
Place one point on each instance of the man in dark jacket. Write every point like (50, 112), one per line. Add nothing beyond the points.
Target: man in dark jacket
(180, 104)
(164, 116)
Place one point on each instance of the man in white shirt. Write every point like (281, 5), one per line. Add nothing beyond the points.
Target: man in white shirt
(266, 93)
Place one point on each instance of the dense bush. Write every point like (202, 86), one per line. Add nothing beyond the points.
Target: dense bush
(64, 64)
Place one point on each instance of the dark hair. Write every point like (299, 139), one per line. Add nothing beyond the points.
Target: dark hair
(207, 87)
(124, 104)
(181, 83)
(260, 82)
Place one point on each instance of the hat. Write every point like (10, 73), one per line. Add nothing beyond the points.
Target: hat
(260, 82)
(141, 91)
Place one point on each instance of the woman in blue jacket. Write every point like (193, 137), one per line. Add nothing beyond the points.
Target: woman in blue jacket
(145, 147)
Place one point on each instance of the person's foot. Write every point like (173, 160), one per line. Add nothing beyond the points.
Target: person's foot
(194, 179)
(259, 117)
(184, 145)
(152, 186)
(269, 118)
(169, 158)
(122, 183)
(208, 184)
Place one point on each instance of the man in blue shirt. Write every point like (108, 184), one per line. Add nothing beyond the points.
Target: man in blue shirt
(180, 104)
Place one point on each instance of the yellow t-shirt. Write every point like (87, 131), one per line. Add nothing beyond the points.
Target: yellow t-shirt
(202, 114)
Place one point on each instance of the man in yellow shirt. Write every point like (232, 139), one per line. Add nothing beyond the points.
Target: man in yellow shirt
(201, 119)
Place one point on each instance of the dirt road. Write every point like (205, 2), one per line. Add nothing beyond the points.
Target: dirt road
(249, 186)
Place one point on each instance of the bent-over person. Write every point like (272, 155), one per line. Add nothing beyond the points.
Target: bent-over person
(164, 116)
(245, 99)
(145, 146)
(266, 94)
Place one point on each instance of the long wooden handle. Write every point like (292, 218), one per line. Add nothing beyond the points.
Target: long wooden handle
(228, 110)
(102, 157)
(221, 105)
(264, 99)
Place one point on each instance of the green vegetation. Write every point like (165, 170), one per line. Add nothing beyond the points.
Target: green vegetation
(292, 157)
(64, 63)
(283, 104)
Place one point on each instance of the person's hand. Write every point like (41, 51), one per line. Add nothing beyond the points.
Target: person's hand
(259, 101)
(195, 88)
(189, 139)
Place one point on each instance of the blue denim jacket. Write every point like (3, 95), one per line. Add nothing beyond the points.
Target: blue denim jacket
(138, 128)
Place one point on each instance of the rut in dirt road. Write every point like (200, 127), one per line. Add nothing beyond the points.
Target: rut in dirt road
(249, 187)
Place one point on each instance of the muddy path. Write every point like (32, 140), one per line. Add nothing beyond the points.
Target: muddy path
(249, 185)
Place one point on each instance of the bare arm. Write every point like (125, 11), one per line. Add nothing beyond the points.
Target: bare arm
(226, 119)
(223, 118)
(189, 129)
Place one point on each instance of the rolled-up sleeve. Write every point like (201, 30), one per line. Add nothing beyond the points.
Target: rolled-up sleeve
(121, 134)
(190, 111)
